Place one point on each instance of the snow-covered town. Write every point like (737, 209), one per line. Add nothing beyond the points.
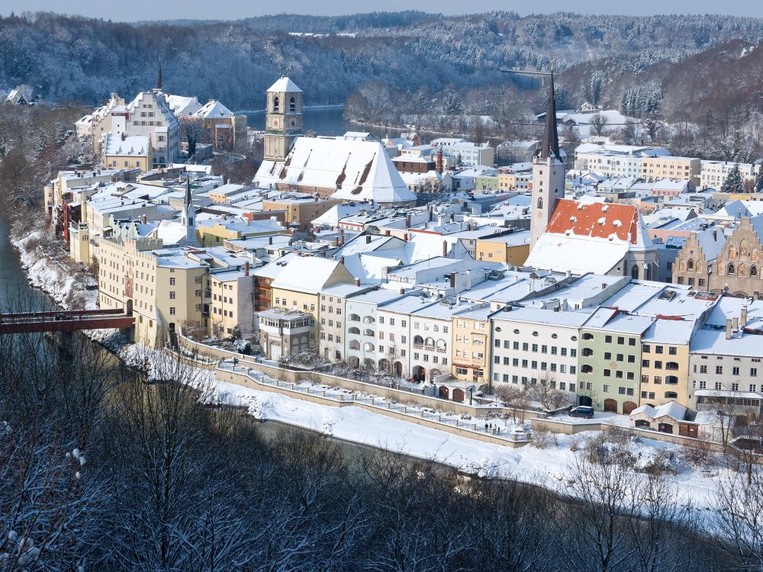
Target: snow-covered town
(534, 322)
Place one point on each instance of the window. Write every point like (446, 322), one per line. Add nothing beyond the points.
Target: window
(172, 310)
(607, 355)
(672, 351)
(658, 379)
(753, 373)
(525, 346)
(172, 281)
(619, 357)
(658, 349)
(605, 388)
(620, 340)
(735, 370)
(646, 348)
(535, 348)
(658, 364)
(172, 294)
(631, 341)
(703, 369)
(607, 373)
(515, 345)
(753, 387)
(719, 370)
(631, 359)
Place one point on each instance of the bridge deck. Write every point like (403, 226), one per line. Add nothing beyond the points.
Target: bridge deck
(64, 321)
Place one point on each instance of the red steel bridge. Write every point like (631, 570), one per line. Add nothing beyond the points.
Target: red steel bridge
(64, 321)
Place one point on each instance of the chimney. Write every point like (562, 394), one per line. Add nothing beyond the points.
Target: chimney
(402, 290)
(743, 319)
(445, 248)
(438, 161)
(341, 260)
(453, 279)
(431, 215)
(728, 329)
(407, 221)
(368, 239)
(735, 322)
(357, 282)
(246, 268)
(387, 233)
(405, 237)
(144, 219)
(270, 240)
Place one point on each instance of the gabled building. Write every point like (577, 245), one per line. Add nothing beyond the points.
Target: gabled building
(602, 238)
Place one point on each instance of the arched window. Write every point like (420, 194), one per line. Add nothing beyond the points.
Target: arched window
(368, 333)
(690, 264)
(634, 271)
(354, 345)
(429, 342)
(368, 347)
(353, 331)
(292, 104)
(354, 318)
(671, 395)
(730, 269)
(540, 202)
(418, 340)
(586, 368)
(441, 343)
(368, 319)
(753, 271)
(276, 103)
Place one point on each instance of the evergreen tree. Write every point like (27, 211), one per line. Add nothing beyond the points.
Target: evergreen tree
(759, 179)
(733, 182)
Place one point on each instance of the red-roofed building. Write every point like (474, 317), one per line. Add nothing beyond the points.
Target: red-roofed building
(603, 238)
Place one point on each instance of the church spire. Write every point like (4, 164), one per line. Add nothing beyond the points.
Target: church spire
(159, 85)
(188, 216)
(550, 145)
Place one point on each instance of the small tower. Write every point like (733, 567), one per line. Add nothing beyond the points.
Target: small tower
(548, 173)
(188, 218)
(283, 118)
(159, 82)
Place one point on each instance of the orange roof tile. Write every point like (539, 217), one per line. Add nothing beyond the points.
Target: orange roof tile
(599, 220)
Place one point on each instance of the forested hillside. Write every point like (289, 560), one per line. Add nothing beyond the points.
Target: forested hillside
(73, 58)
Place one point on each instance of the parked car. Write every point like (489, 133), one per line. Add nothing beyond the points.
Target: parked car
(582, 411)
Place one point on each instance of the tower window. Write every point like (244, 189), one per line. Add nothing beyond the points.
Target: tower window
(540, 202)
(292, 105)
(276, 103)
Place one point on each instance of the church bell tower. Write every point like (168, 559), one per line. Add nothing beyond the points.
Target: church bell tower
(548, 173)
(283, 118)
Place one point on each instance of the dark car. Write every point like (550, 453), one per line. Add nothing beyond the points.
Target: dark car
(582, 411)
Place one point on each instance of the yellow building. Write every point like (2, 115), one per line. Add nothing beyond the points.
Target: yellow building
(231, 304)
(508, 249)
(471, 345)
(300, 209)
(670, 167)
(297, 287)
(665, 362)
(163, 288)
(121, 152)
(218, 232)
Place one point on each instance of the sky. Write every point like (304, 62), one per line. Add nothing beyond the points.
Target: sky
(137, 10)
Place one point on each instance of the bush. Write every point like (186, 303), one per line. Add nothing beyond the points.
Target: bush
(544, 439)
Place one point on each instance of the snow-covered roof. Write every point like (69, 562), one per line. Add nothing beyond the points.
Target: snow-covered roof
(356, 170)
(589, 237)
(305, 274)
(213, 109)
(284, 84)
(670, 409)
(133, 146)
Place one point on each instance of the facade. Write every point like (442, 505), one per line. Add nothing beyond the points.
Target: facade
(671, 167)
(694, 263)
(665, 362)
(609, 363)
(283, 118)
(332, 327)
(299, 209)
(512, 249)
(738, 267)
(149, 115)
(470, 342)
(284, 332)
(535, 346)
(231, 305)
(122, 152)
(714, 173)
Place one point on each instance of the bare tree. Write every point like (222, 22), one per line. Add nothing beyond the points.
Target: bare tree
(598, 123)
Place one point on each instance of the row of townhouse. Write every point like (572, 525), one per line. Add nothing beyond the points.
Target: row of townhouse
(614, 358)
(655, 163)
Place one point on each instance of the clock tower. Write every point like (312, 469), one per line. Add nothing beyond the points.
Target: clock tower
(283, 118)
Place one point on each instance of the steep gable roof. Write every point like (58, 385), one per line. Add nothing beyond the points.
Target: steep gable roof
(597, 220)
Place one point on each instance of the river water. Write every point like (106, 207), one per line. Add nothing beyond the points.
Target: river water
(325, 121)
(15, 292)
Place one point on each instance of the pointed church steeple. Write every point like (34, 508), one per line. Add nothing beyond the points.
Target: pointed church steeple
(159, 83)
(548, 173)
(550, 145)
(188, 218)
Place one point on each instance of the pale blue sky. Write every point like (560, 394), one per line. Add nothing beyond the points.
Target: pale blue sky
(236, 9)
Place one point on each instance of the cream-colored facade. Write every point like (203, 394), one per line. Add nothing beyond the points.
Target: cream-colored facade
(164, 289)
(504, 249)
(670, 167)
(664, 373)
(471, 346)
(714, 173)
(231, 304)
